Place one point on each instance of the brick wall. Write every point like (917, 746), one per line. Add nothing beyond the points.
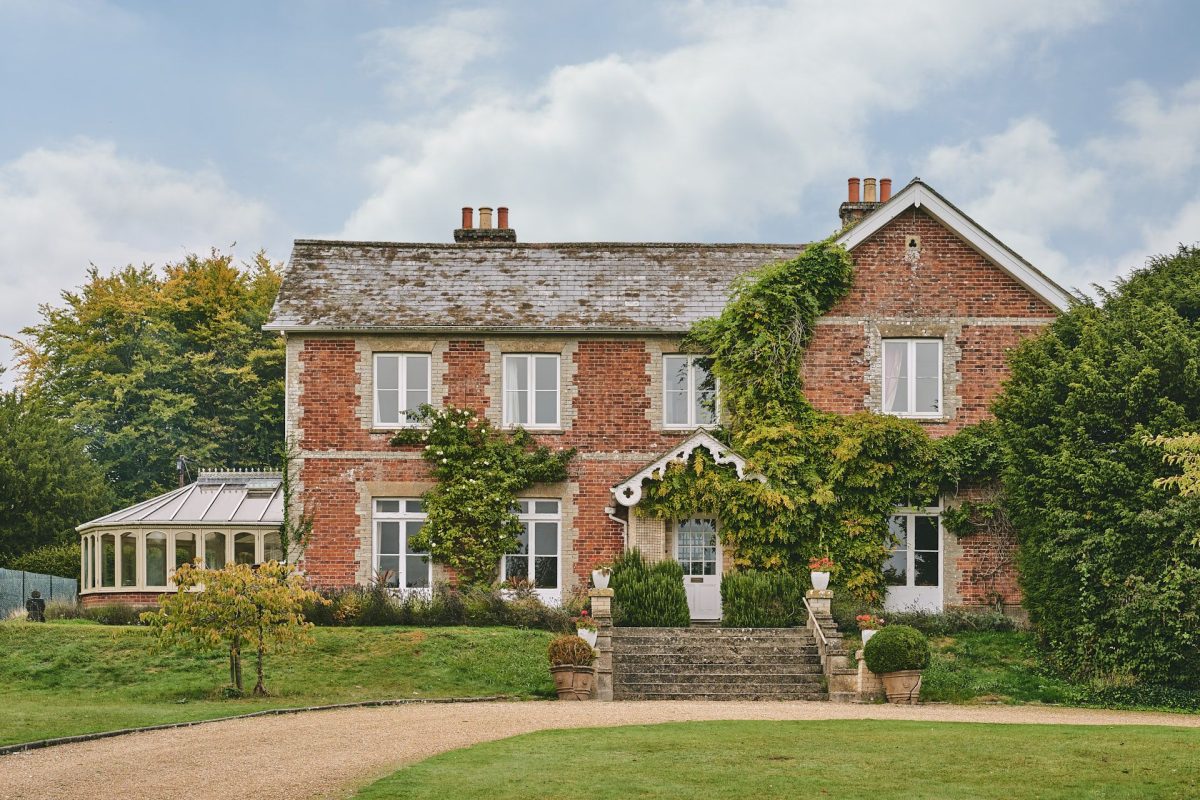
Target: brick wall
(611, 406)
(979, 569)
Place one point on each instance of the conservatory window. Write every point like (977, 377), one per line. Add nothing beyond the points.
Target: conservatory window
(912, 377)
(108, 560)
(185, 549)
(128, 559)
(156, 559)
(243, 548)
(535, 561)
(397, 563)
(689, 392)
(402, 382)
(272, 547)
(214, 550)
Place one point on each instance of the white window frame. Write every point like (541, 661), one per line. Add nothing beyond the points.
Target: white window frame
(403, 516)
(691, 423)
(529, 518)
(402, 384)
(911, 356)
(531, 394)
(910, 513)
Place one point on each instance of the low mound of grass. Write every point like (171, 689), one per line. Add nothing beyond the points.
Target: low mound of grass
(61, 679)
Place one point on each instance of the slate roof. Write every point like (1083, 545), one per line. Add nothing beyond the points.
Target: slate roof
(600, 287)
(216, 498)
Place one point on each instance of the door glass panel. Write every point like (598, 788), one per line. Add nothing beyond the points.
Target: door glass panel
(926, 535)
(389, 538)
(389, 571)
(545, 538)
(523, 541)
(545, 507)
(387, 506)
(895, 569)
(545, 572)
(697, 546)
(925, 567)
(516, 568)
(416, 572)
(414, 506)
(156, 559)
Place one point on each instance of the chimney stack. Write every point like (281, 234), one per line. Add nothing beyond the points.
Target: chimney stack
(856, 207)
(468, 234)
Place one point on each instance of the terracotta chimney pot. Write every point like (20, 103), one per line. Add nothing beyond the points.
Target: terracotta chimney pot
(885, 189)
(853, 190)
(502, 217)
(485, 217)
(868, 191)
(468, 215)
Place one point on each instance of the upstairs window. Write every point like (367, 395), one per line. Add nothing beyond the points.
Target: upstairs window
(689, 392)
(531, 391)
(912, 377)
(402, 384)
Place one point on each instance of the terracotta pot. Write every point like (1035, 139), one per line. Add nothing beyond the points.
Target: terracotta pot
(572, 682)
(583, 683)
(902, 687)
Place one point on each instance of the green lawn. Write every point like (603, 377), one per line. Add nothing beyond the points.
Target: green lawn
(60, 679)
(837, 759)
(989, 668)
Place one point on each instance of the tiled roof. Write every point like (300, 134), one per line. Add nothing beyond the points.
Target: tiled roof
(216, 498)
(351, 286)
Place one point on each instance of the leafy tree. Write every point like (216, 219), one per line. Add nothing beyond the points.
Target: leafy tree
(1108, 559)
(236, 607)
(50, 559)
(149, 364)
(48, 482)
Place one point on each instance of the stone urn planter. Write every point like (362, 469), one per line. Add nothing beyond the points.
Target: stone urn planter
(600, 577)
(571, 661)
(585, 628)
(867, 633)
(897, 654)
(819, 571)
(902, 687)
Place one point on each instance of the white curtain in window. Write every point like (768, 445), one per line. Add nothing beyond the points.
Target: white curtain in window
(893, 364)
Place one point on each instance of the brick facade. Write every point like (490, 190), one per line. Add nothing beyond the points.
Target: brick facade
(611, 399)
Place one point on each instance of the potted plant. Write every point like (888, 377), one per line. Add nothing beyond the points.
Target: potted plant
(819, 569)
(600, 576)
(868, 625)
(585, 628)
(571, 665)
(897, 654)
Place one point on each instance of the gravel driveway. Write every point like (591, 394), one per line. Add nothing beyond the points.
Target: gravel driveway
(326, 754)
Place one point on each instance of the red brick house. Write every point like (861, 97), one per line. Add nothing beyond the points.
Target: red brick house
(579, 343)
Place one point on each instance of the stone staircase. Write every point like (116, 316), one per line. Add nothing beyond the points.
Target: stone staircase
(711, 663)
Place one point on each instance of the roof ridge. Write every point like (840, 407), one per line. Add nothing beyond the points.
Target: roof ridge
(517, 245)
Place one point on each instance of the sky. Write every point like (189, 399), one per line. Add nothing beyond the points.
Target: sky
(137, 132)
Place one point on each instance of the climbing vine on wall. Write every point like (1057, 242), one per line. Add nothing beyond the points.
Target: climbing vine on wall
(832, 480)
(470, 521)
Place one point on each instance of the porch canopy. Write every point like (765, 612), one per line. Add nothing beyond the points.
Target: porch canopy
(224, 517)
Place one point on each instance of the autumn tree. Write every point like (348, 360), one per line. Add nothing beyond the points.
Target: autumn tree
(147, 364)
(240, 606)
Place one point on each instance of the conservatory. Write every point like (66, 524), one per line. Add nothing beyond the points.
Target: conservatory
(129, 556)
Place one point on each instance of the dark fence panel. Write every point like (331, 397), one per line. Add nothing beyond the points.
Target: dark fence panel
(15, 586)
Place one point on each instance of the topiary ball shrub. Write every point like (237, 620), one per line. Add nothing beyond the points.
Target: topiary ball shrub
(896, 648)
(570, 651)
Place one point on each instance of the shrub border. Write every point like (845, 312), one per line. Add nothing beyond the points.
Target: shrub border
(38, 744)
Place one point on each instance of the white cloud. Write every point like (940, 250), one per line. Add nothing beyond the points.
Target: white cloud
(432, 60)
(736, 125)
(66, 207)
(1031, 189)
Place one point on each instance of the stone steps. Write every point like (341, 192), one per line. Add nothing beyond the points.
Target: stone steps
(713, 663)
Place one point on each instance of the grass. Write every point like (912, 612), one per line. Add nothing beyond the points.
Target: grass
(836, 759)
(990, 668)
(67, 678)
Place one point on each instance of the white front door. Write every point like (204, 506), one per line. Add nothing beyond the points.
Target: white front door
(698, 551)
(914, 570)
